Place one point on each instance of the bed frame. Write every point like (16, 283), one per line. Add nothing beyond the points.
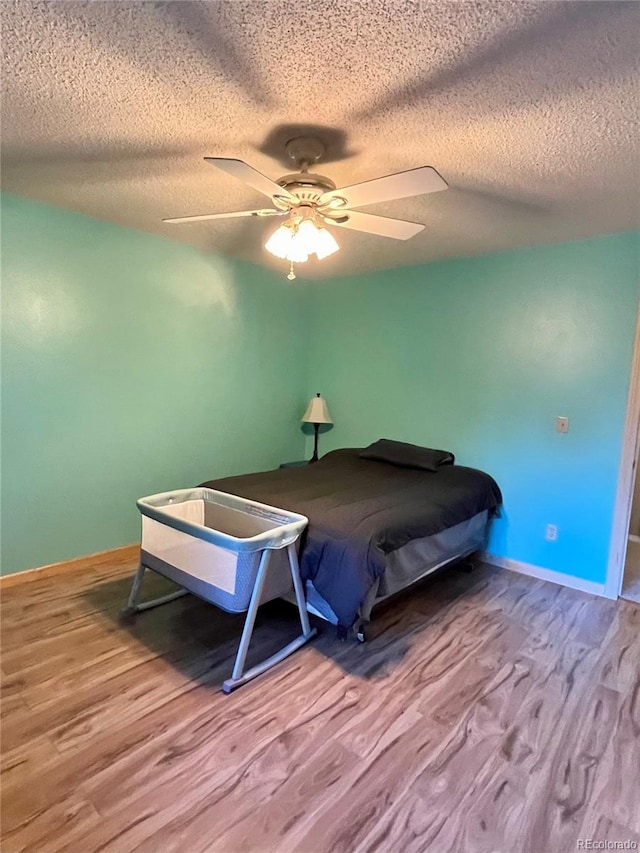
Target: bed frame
(406, 567)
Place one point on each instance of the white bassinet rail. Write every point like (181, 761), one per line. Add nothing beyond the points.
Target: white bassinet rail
(232, 552)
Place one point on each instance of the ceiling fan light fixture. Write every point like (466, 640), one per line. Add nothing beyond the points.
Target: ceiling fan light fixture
(306, 236)
(297, 253)
(316, 239)
(326, 244)
(278, 243)
(294, 241)
(283, 244)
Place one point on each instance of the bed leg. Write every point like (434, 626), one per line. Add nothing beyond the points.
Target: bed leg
(342, 633)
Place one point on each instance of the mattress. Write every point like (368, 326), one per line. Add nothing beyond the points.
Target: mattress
(362, 513)
(409, 564)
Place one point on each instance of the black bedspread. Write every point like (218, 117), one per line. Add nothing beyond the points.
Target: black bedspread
(359, 510)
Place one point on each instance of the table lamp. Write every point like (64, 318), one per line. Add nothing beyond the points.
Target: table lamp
(317, 413)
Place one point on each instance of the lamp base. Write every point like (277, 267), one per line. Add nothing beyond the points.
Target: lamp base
(316, 429)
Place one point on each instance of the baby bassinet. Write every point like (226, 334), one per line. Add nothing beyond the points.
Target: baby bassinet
(232, 552)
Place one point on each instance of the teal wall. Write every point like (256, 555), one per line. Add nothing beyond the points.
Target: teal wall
(131, 364)
(479, 356)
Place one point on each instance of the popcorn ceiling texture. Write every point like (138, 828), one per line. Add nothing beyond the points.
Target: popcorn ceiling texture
(528, 110)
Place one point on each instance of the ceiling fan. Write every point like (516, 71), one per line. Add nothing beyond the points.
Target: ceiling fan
(310, 202)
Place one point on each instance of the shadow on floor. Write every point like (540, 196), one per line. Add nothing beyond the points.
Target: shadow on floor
(201, 640)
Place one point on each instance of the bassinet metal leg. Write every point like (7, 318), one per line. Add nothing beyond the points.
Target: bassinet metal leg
(164, 599)
(238, 677)
(297, 585)
(132, 604)
(247, 631)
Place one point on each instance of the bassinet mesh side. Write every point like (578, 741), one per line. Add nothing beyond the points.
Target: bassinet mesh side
(278, 580)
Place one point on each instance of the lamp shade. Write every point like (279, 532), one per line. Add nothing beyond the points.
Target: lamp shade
(317, 411)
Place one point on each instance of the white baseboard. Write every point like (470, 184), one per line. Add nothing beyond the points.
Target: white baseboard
(545, 574)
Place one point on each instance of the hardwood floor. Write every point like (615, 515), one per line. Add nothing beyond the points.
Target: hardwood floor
(488, 712)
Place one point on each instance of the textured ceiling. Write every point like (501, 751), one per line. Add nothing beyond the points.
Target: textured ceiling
(528, 110)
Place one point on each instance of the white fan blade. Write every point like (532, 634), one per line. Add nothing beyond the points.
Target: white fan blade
(401, 185)
(244, 172)
(267, 212)
(383, 226)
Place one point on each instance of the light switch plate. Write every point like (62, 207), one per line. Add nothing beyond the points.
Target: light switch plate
(562, 424)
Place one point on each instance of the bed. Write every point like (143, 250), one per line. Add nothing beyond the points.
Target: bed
(380, 518)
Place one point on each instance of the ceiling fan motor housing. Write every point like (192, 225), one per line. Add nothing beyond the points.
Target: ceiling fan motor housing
(307, 186)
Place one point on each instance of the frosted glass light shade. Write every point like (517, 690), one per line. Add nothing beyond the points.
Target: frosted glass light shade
(296, 242)
(326, 244)
(283, 244)
(306, 235)
(317, 411)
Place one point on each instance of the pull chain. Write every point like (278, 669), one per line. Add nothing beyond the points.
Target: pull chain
(291, 275)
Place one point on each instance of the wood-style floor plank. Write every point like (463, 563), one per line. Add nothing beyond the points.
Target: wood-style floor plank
(618, 666)
(488, 712)
(56, 822)
(617, 793)
(568, 776)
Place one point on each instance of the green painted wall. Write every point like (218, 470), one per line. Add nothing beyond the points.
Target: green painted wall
(479, 356)
(131, 364)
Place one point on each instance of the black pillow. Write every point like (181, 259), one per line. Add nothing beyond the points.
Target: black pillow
(407, 455)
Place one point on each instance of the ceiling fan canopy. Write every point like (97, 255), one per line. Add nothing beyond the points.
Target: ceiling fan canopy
(310, 202)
